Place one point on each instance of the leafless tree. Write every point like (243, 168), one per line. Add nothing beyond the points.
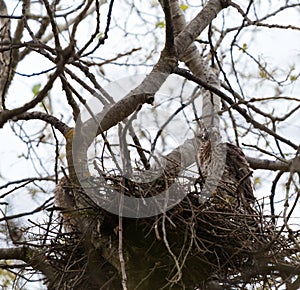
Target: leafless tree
(105, 103)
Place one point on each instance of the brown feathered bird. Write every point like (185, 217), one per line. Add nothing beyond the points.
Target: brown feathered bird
(224, 169)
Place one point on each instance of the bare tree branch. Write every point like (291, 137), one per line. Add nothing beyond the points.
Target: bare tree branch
(10, 114)
(34, 258)
(235, 106)
(51, 120)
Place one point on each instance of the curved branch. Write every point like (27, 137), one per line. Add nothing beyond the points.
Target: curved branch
(37, 209)
(32, 257)
(60, 126)
(187, 36)
(9, 114)
(53, 121)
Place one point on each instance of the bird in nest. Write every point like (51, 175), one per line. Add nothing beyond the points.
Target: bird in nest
(224, 169)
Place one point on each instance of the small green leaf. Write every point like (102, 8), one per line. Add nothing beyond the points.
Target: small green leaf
(184, 7)
(160, 24)
(22, 156)
(244, 47)
(262, 74)
(256, 181)
(293, 78)
(36, 88)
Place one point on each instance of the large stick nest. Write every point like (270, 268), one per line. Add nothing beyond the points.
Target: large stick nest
(214, 237)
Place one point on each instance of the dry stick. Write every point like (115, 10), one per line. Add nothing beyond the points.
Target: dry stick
(127, 170)
(272, 195)
(9, 114)
(163, 126)
(285, 209)
(266, 152)
(79, 19)
(124, 156)
(257, 110)
(186, 255)
(53, 25)
(179, 272)
(146, 277)
(120, 249)
(185, 73)
(38, 209)
(53, 121)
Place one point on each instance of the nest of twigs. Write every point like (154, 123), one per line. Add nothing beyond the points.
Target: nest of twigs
(192, 241)
(217, 234)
